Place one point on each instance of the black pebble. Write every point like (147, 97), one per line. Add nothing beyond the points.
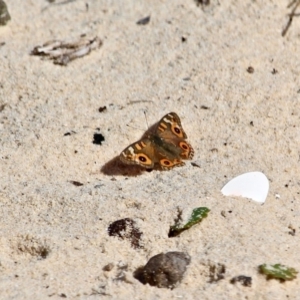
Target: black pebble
(244, 280)
(98, 138)
(143, 21)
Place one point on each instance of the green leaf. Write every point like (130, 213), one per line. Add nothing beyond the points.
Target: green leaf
(197, 215)
(278, 271)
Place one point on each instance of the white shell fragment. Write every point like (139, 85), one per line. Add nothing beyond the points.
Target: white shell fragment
(252, 185)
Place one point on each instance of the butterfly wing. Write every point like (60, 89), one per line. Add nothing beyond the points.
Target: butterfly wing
(170, 129)
(167, 146)
(140, 153)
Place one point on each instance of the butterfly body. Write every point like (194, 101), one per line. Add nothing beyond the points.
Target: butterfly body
(165, 147)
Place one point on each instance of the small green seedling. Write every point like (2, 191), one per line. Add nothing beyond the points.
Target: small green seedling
(278, 271)
(197, 215)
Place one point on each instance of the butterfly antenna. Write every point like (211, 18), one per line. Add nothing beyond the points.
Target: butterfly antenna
(146, 119)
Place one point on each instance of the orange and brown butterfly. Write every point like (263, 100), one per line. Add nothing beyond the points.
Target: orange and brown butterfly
(165, 147)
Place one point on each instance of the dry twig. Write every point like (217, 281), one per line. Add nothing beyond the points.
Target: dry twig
(293, 14)
(63, 52)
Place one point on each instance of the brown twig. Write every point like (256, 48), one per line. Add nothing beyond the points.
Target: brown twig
(293, 14)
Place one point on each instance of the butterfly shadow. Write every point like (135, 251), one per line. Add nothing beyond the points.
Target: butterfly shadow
(116, 167)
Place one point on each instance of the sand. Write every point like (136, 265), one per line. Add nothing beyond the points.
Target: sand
(189, 59)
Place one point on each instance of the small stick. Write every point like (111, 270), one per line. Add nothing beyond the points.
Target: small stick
(291, 16)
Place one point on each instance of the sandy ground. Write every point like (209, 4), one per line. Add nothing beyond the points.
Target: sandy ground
(191, 60)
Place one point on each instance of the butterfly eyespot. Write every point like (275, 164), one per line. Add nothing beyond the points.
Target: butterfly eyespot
(142, 158)
(177, 130)
(165, 162)
(184, 146)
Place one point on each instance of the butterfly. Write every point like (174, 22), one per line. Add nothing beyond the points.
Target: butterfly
(165, 147)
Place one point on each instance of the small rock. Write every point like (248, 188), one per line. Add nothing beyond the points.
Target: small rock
(244, 280)
(98, 139)
(108, 267)
(143, 21)
(166, 270)
(250, 70)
